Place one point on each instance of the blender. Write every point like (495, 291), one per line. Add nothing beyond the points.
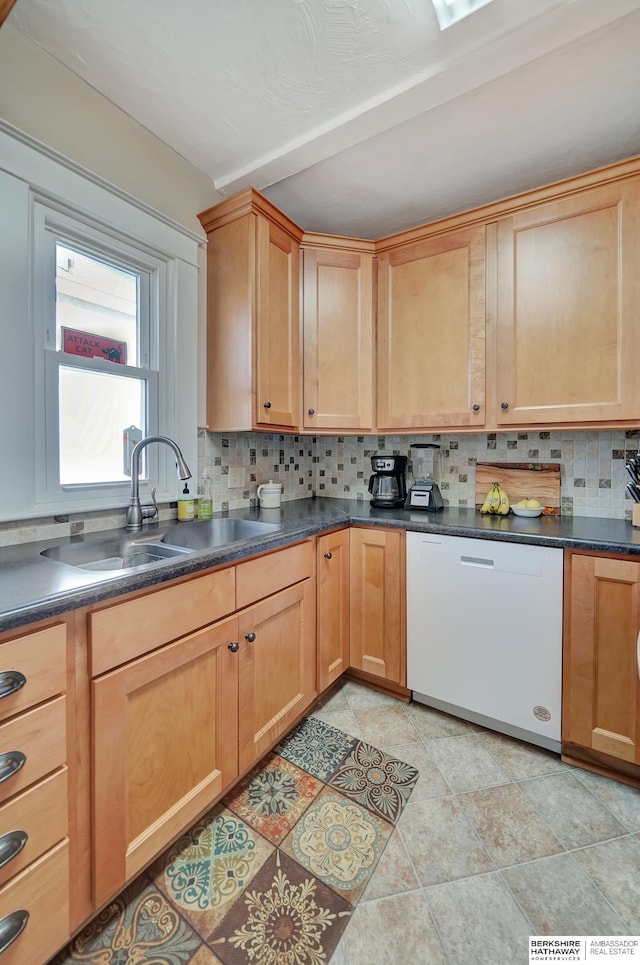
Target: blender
(425, 493)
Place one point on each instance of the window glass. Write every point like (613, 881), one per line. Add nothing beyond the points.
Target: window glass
(97, 299)
(94, 409)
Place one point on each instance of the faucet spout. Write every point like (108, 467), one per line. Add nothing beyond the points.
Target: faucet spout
(135, 512)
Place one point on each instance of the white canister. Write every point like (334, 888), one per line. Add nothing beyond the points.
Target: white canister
(269, 494)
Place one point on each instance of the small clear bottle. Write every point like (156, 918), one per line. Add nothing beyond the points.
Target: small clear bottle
(205, 497)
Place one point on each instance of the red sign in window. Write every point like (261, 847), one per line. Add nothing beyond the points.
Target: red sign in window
(93, 346)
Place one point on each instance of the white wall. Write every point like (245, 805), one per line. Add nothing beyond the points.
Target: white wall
(46, 100)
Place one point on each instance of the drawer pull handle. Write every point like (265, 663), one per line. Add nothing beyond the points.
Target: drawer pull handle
(250, 637)
(234, 647)
(10, 764)
(11, 927)
(10, 682)
(11, 844)
(328, 556)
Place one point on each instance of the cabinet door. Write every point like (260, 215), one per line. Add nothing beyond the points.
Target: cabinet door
(165, 745)
(601, 691)
(377, 590)
(338, 339)
(333, 606)
(277, 375)
(568, 291)
(431, 332)
(277, 667)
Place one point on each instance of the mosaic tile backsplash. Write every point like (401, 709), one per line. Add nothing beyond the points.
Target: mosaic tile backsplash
(592, 471)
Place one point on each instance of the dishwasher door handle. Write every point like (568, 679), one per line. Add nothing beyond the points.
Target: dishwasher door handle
(477, 561)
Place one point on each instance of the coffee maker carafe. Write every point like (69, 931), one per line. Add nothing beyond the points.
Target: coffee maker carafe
(388, 484)
(425, 493)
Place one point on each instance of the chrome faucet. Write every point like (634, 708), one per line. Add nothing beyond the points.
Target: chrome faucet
(135, 512)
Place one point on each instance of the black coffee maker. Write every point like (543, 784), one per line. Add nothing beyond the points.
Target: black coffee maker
(388, 484)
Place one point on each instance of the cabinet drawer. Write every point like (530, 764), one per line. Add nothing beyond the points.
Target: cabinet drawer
(40, 658)
(127, 630)
(38, 817)
(39, 736)
(259, 578)
(41, 890)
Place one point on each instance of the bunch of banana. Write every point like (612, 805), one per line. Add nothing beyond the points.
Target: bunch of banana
(497, 501)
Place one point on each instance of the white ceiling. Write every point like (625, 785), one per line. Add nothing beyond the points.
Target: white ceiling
(360, 117)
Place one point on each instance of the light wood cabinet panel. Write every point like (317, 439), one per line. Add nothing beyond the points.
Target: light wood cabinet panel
(568, 292)
(377, 603)
(40, 735)
(431, 332)
(277, 667)
(277, 328)
(41, 658)
(127, 630)
(43, 891)
(164, 747)
(261, 577)
(338, 339)
(41, 814)
(332, 606)
(601, 688)
(253, 315)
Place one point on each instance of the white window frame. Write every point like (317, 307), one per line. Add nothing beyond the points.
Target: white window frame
(50, 226)
(36, 183)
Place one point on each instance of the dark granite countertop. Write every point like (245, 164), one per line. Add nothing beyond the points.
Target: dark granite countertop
(33, 587)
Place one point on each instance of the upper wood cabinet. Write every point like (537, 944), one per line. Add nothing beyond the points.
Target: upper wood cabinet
(601, 687)
(431, 332)
(568, 296)
(253, 312)
(337, 335)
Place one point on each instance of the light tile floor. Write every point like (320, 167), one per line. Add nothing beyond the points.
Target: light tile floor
(500, 841)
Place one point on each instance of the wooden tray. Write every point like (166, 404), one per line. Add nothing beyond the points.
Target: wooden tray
(521, 480)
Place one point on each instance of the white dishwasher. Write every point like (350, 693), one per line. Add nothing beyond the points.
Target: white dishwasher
(484, 632)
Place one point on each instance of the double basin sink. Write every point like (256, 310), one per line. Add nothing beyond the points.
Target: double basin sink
(132, 552)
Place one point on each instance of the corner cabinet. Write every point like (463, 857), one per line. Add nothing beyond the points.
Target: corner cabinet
(431, 332)
(377, 603)
(568, 295)
(253, 330)
(601, 685)
(338, 333)
(333, 606)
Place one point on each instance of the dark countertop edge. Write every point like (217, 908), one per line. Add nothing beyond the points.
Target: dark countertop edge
(303, 519)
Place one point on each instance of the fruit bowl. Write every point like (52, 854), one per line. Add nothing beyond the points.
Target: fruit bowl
(526, 512)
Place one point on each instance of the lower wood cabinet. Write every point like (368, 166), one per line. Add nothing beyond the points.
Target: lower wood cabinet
(377, 603)
(332, 582)
(173, 728)
(277, 668)
(165, 745)
(601, 686)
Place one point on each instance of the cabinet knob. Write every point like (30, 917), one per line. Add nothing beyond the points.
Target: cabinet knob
(312, 411)
(328, 556)
(234, 647)
(10, 764)
(476, 407)
(10, 682)
(267, 405)
(11, 926)
(11, 844)
(250, 637)
(504, 405)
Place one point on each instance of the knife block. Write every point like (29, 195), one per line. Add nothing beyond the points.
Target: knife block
(635, 515)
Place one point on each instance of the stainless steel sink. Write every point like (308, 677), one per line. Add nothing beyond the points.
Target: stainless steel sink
(205, 533)
(113, 554)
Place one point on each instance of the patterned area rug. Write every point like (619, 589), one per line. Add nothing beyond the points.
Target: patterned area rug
(270, 875)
